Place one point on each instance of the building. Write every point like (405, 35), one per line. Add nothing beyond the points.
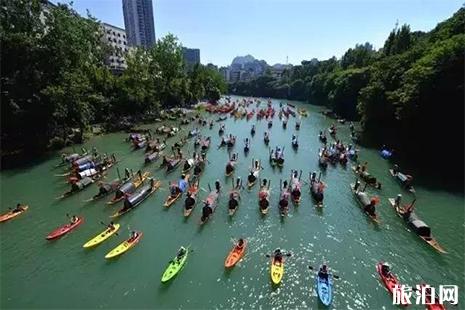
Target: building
(225, 72)
(138, 21)
(191, 56)
(116, 38)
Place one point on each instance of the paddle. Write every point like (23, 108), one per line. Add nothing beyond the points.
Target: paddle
(286, 254)
(108, 227)
(334, 276)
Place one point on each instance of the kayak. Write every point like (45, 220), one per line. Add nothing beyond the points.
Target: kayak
(124, 247)
(235, 255)
(9, 215)
(390, 282)
(63, 230)
(416, 221)
(277, 270)
(104, 235)
(170, 200)
(175, 266)
(324, 289)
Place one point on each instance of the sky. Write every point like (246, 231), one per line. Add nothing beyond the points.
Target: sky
(276, 30)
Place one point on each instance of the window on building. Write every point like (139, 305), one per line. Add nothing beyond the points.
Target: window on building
(119, 34)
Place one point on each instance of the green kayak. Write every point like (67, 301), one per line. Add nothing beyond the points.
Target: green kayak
(175, 265)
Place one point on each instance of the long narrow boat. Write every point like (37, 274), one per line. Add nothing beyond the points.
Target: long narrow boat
(418, 226)
(12, 214)
(137, 198)
(124, 247)
(363, 200)
(129, 187)
(77, 187)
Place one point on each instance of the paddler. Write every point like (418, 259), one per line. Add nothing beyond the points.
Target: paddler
(284, 199)
(111, 226)
(386, 270)
(371, 208)
(74, 219)
(395, 169)
(252, 131)
(180, 254)
(251, 178)
(217, 186)
(234, 198)
(364, 166)
(323, 272)
(398, 200)
(19, 208)
(134, 235)
(278, 255)
(240, 244)
(407, 210)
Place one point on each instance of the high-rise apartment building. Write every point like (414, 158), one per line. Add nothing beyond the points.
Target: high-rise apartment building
(116, 38)
(138, 21)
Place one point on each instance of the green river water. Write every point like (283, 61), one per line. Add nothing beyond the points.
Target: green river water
(36, 273)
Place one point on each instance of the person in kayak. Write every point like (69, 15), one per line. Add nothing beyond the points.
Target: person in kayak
(251, 178)
(19, 208)
(206, 211)
(197, 169)
(263, 195)
(111, 226)
(217, 186)
(284, 199)
(74, 219)
(323, 272)
(234, 198)
(386, 270)
(252, 131)
(278, 255)
(398, 200)
(371, 208)
(364, 167)
(133, 236)
(174, 190)
(180, 254)
(240, 244)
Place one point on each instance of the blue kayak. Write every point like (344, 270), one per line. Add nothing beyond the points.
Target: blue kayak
(324, 289)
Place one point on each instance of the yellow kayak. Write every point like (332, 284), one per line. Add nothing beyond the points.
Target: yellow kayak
(123, 247)
(277, 270)
(104, 235)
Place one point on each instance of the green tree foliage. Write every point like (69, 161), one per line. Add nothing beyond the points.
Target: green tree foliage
(54, 77)
(407, 93)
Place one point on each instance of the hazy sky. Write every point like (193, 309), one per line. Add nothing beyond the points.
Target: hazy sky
(274, 29)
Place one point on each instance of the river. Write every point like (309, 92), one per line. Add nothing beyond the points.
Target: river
(36, 273)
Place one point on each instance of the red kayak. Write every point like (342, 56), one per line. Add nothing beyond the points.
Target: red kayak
(63, 230)
(390, 282)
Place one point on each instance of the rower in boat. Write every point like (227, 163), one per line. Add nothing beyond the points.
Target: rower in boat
(322, 137)
(284, 199)
(252, 131)
(284, 123)
(405, 179)
(296, 186)
(263, 196)
(343, 159)
(235, 197)
(189, 163)
(295, 143)
(246, 145)
(231, 141)
(210, 125)
(367, 177)
(254, 173)
(297, 125)
(368, 204)
(191, 197)
(317, 189)
(332, 130)
(279, 155)
(266, 137)
(270, 123)
(221, 130)
(231, 164)
(210, 205)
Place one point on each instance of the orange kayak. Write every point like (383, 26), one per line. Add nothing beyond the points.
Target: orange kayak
(9, 215)
(235, 255)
